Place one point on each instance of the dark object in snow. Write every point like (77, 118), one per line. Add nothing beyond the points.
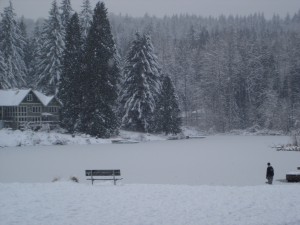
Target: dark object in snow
(270, 174)
(124, 142)
(194, 137)
(74, 179)
(174, 138)
(287, 148)
(279, 147)
(184, 137)
(110, 173)
(293, 176)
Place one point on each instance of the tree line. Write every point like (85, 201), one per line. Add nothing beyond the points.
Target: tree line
(74, 56)
(228, 72)
(234, 72)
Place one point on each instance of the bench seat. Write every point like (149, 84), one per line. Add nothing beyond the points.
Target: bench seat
(103, 173)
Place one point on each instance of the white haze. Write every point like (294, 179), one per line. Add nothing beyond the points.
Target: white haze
(39, 8)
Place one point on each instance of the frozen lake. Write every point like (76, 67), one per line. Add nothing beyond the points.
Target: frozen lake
(215, 160)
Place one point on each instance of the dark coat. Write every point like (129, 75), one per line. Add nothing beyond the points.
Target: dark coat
(270, 171)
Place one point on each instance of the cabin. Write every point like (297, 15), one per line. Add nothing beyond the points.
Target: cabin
(28, 109)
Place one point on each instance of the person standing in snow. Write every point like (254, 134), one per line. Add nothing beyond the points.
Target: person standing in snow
(270, 174)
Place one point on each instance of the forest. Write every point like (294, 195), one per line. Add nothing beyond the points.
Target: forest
(229, 72)
(218, 74)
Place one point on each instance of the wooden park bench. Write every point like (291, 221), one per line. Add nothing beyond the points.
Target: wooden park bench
(111, 174)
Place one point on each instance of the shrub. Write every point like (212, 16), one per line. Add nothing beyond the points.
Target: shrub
(55, 179)
(74, 179)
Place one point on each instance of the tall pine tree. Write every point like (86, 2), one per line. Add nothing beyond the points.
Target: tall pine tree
(66, 13)
(11, 44)
(167, 113)
(141, 87)
(28, 50)
(35, 44)
(101, 75)
(49, 66)
(2, 72)
(70, 91)
(86, 16)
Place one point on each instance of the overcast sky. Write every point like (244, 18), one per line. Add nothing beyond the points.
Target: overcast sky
(39, 8)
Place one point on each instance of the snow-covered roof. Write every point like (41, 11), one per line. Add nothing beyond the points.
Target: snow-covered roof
(43, 98)
(14, 97)
(293, 173)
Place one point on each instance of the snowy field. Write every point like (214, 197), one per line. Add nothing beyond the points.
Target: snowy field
(215, 180)
(63, 203)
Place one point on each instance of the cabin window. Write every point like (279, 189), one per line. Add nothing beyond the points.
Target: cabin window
(22, 111)
(10, 111)
(29, 98)
(36, 109)
(53, 109)
(34, 119)
(22, 119)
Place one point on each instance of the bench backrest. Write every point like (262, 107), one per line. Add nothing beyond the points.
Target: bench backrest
(103, 173)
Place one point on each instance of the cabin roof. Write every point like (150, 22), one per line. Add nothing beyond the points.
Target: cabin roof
(43, 98)
(14, 97)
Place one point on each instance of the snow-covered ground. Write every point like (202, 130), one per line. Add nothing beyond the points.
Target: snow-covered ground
(13, 138)
(214, 160)
(215, 180)
(64, 203)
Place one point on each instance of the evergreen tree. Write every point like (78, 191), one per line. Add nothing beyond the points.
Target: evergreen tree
(66, 13)
(101, 75)
(141, 87)
(11, 44)
(35, 46)
(70, 92)
(49, 66)
(25, 46)
(86, 16)
(235, 73)
(167, 114)
(3, 83)
(28, 50)
(294, 81)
